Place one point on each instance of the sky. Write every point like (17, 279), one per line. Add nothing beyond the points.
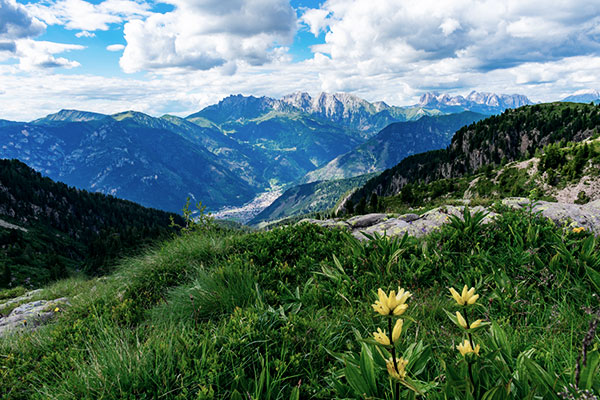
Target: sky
(178, 56)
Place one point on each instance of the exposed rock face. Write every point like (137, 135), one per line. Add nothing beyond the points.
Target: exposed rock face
(562, 214)
(29, 316)
(490, 103)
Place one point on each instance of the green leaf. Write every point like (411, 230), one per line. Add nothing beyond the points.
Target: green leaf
(368, 369)
(590, 373)
(594, 277)
(356, 380)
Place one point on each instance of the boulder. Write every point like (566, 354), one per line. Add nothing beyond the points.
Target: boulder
(29, 316)
(565, 215)
(363, 221)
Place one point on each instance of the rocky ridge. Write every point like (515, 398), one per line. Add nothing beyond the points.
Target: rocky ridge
(483, 102)
(564, 215)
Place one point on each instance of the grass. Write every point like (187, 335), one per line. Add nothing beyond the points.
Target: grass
(274, 315)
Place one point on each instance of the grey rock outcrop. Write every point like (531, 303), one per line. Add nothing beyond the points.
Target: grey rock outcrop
(29, 316)
(564, 215)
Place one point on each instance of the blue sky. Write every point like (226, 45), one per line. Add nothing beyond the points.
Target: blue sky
(177, 56)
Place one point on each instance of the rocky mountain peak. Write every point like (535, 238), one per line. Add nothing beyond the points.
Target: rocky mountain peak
(71, 116)
(474, 101)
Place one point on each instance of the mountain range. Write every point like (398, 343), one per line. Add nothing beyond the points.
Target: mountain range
(481, 102)
(227, 153)
(584, 96)
(394, 143)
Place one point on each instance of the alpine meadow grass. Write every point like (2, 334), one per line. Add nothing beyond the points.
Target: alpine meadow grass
(287, 314)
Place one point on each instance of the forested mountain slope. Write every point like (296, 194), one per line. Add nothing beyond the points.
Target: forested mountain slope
(52, 230)
(513, 135)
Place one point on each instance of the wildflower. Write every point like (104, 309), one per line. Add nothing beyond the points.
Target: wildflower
(461, 320)
(381, 337)
(578, 230)
(397, 330)
(465, 348)
(475, 324)
(392, 304)
(56, 309)
(401, 363)
(467, 297)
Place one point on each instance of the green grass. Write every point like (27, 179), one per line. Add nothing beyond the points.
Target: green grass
(274, 315)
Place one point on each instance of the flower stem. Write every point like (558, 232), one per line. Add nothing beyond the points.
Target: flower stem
(394, 360)
(472, 346)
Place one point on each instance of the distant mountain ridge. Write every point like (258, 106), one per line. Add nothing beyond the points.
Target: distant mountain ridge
(223, 155)
(584, 96)
(343, 109)
(394, 143)
(481, 102)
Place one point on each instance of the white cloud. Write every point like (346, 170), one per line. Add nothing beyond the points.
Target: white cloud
(316, 19)
(449, 26)
(86, 16)
(115, 47)
(85, 34)
(207, 34)
(16, 22)
(35, 55)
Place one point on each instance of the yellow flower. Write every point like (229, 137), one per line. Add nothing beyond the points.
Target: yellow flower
(475, 324)
(397, 330)
(401, 363)
(578, 230)
(56, 309)
(381, 337)
(467, 297)
(465, 348)
(461, 320)
(392, 304)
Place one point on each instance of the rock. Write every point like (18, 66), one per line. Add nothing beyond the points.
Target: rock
(390, 227)
(564, 214)
(18, 300)
(326, 223)
(363, 221)
(409, 217)
(29, 316)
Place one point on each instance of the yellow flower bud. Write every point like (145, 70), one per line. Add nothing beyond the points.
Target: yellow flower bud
(467, 297)
(392, 304)
(461, 320)
(475, 324)
(397, 330)
(400, 309)
(465, 348)
(381, 337)
(457, 297)
(400, 364)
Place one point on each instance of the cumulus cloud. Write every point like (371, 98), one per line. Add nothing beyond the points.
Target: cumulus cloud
(85, 34)
(86, 16)
(35, 55)
(482, 34)
(203, 34)
(16, 22)
(115, 47)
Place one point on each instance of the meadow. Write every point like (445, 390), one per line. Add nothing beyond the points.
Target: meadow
(288, 314)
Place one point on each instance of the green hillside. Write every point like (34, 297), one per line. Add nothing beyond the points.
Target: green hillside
(394, 143)
(55, 230)
(287, 314)
(513, 135)
(310, 198)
